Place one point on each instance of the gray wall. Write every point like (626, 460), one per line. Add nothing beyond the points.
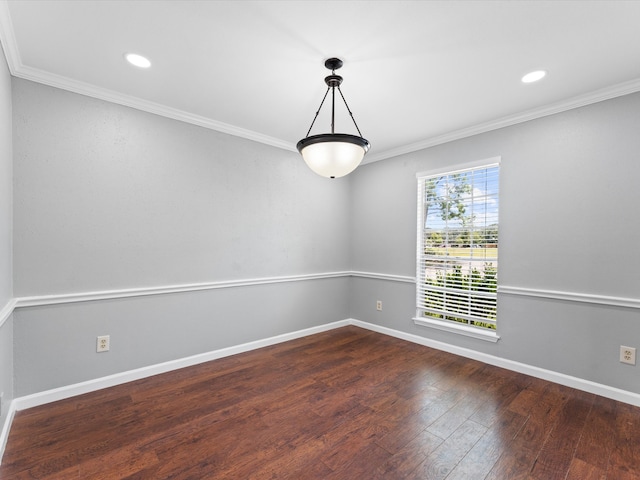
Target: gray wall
(109, 198)
(55, 345)
(569, 223)
(6, 289)
(6, 175)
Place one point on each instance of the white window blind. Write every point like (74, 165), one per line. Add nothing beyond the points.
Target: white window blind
(457, 258)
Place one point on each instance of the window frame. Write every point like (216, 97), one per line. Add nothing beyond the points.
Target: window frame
(447, 325)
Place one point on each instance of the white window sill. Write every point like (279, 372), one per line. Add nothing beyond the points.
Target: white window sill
(482, 334)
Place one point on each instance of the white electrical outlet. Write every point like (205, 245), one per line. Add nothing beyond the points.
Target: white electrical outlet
(379, 305)
(628, 355)
(102, 344)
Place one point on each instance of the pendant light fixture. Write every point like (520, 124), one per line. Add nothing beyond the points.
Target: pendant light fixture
(333, 154)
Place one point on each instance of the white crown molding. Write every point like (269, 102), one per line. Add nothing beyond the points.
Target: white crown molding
(8, 39)
(571, 296)
(606, 93)
(86, 89)
(17, 69)
(75, 86)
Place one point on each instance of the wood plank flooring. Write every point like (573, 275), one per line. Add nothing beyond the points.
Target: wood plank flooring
(344, 404)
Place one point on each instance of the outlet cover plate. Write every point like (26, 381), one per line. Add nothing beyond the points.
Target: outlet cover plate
(102, 343)
(627, 355)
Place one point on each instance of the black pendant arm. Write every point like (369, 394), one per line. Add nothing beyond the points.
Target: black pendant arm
(349, 110)
(333, 110)
(320, 108)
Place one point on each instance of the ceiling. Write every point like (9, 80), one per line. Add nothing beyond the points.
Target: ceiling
(416, 73)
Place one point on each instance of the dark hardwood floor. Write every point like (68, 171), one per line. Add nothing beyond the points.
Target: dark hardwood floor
(344, 404)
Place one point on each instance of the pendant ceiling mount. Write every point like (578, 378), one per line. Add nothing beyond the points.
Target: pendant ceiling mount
(333, 154)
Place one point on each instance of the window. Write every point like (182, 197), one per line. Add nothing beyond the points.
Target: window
(457, 260)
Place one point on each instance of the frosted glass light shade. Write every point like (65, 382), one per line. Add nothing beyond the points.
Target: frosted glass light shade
(333, 155)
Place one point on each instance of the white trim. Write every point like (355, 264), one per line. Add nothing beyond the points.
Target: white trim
(63, 298)
(61, 393)
(549, 375)
(384, 276)
(68, 391)
(38, 300)
(8, 39)
(422, 256)
(17, 69)
(571, 296)
(6, 427)
(607, 93)
(7, 310)
(460, 329)
(82, 88)
(53, 395)
(451, 169)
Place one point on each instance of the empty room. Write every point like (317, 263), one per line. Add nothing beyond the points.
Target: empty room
(319, 239)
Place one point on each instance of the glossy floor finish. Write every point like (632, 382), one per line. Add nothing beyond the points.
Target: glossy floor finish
(344, 404)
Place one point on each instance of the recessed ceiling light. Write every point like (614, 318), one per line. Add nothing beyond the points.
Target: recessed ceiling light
(137, 60)
(534, 76)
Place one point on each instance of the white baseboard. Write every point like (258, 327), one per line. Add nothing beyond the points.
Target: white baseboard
(61, 393)
(53, 395)
(48, 396)
(4, 434)
(555, 377)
